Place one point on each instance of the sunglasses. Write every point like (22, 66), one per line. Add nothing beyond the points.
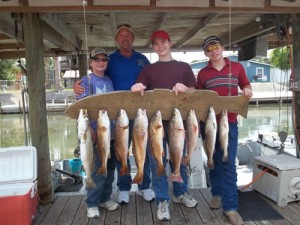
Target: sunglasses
(213, 47)
(100, 59)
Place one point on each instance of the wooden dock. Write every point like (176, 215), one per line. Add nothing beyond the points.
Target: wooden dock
(71, 210)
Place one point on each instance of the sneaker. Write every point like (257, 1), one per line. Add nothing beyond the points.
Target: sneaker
(234, 217)
(163, 211)
(147, 194)
(110, 205)
(93, 212)
(215, 202)
(124, 197)
(185, 199)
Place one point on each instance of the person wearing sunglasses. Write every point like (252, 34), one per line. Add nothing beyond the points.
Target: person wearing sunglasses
(123, 68)
(95, 83)
(177, 76)
(225, 77)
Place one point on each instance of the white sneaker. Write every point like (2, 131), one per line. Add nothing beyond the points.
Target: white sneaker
(163, 211)
(123, 197)
(185, 199)
(147, 194)
(93, 212)
(110, 205)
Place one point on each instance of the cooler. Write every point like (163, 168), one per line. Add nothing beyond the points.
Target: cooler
(281, 182)
(18, 185)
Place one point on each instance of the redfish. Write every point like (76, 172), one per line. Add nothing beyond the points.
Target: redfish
(192, 136)
(176, 134)
(223, 134)
(86, 146)
(210, 136)
(139, 140)
(156, 133)
(122, 140)
(103, 140)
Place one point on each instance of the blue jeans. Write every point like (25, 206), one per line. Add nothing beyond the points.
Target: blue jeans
(223, 177)
(160, 183)
(124, 182)
(103, 189)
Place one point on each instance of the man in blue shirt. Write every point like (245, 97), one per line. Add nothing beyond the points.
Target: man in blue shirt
(124, 66)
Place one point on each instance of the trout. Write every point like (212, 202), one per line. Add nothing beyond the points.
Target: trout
(103, 141)
(156, 133)
(223, 134)
(86, 146)
(122, 140)
(192, 136)
(210, 136)
(176, 135)
(139, 140)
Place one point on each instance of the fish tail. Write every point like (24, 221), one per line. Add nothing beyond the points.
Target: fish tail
(176, 178)
(102, 171)
(210, 165)
(225, 158)
(90, 184)
(138, 179)
(124, 170)
(161, 170)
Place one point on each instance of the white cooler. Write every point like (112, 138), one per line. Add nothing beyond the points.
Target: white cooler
(281, 182)
(18, 185)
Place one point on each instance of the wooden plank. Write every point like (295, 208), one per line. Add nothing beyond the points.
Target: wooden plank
(238, 3)
(100, 220)
(55, 211)
(70, 210)
(41, 213)
(159, 99)
(122, 2)
(204, 211)
(180, 3)
(191, 215)
(177, 216)
(81, 214)
(128, 215)
(142, 211)
(158, 222)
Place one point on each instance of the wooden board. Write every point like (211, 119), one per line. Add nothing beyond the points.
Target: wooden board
(159, 99)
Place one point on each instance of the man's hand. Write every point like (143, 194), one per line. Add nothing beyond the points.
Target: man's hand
(77, 88)
(247, 92)
(179, 87)
(139, 87)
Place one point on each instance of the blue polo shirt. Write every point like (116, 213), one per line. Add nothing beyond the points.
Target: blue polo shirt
(123, 71)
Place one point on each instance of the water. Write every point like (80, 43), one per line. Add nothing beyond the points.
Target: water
(63, 140)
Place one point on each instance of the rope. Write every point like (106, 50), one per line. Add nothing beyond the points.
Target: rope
(229, 33)
(84, 3)
(255, 179)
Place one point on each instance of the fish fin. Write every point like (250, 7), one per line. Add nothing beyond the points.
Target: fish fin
(225, 158)
(161, 171)
(102, 171)
(185, 160)
(210, 165)
(138, 179)
(90, 184)
(175, 178)
(124, 171)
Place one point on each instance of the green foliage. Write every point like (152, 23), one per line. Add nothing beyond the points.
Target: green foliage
(8, 69)
(280, 58)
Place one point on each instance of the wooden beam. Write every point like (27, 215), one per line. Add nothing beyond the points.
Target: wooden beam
(200, 26)
(158, 26)
(7, 26)
(33, 35)
(55, 23)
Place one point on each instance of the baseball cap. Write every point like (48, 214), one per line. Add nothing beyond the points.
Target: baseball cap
(211, 39)
(160, 34)
(97, 51)
(124, 26)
